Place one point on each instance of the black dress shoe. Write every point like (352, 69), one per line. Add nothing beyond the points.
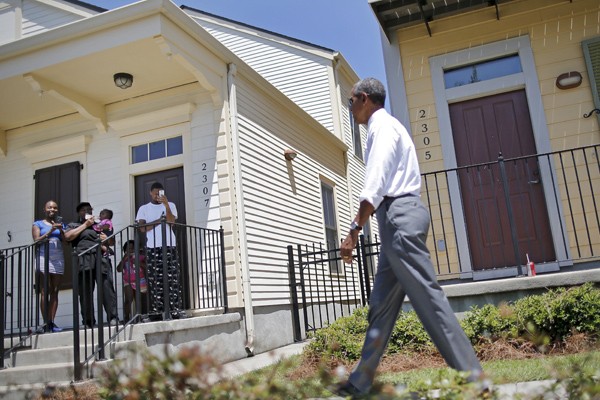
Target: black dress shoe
(346, 389)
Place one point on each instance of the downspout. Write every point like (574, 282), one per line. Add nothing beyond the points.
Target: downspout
(239, 203)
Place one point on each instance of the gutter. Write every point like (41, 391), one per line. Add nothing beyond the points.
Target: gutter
(239, 203)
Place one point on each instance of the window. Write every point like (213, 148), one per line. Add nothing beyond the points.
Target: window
(591, 53)
(331, 234)
(356, 137)
(155, 150)
(482, 71)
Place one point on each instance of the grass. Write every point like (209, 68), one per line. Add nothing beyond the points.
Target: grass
(498, 371)
(505, 371)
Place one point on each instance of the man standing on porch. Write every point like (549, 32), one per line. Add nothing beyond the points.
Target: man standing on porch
(392, 190)
(149, 217)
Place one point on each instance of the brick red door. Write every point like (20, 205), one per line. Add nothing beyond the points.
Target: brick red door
(483, 128)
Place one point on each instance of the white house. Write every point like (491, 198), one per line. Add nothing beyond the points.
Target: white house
(230, 98)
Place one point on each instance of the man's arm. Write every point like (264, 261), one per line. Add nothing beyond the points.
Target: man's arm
(169, 214)
(72, 234)
(349, 244)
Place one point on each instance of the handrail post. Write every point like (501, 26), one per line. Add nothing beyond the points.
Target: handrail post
(365, 266)
(165, 269)
(76, 347)
(100, 300)
(46, 298)
(303, 287)
(223, 269)
(2, 297)
(294, 294)
(511, 218)
(138, 270)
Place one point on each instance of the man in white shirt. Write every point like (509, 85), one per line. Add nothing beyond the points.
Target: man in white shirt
(149, 217)
(392, 189)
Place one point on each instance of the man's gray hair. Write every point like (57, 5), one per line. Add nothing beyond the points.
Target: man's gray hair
(373, 88)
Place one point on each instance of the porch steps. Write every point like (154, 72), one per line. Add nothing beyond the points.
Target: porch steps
(48, 358)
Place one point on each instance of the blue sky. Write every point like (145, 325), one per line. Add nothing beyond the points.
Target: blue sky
(347, 26)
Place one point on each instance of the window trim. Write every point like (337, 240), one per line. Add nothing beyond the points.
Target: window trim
(335, 267)
(356, 135)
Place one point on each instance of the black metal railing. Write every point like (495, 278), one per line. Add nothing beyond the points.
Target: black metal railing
(564, 183)
(201, 259)
(327, 290)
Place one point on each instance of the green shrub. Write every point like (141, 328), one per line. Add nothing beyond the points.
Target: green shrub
(408, 334)
(489, 322)
(559, 312)
(343, 339)
(537, 318)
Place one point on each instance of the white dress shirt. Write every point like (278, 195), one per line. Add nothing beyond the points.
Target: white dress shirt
(392, 168)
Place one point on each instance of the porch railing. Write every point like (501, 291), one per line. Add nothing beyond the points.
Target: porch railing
(569, 183)
(201, 257)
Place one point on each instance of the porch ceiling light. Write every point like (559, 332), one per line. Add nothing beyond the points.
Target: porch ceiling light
(289, 154)
(569, 80)
(123, 80)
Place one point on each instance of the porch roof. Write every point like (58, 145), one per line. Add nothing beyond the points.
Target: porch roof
(395, 14)
(68, 71)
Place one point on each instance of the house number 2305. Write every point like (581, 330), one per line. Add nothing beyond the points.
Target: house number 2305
(425, 129)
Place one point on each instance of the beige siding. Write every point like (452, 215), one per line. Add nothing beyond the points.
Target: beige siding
(39, 17)
(282, 199)
(299, 74)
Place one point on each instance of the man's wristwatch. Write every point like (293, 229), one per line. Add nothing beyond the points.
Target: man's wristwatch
(354, 226)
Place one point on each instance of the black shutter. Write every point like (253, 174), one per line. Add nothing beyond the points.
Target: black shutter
(59, 183)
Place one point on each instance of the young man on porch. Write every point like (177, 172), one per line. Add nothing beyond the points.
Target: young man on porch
(392, 191)
(149, 217)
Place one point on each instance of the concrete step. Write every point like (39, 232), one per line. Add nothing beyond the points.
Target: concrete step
(56, 355)
(63, 339)
(26, 391)
(42, 373)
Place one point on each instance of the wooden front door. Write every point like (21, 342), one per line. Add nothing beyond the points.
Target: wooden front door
(482, 129)
(172, 181)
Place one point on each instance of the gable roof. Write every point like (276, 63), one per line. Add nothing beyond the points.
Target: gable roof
(258, 29)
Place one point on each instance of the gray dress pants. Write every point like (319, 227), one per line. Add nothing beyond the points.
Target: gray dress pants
(405, 268)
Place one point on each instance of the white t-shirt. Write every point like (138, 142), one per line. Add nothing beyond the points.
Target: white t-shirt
(150, 212)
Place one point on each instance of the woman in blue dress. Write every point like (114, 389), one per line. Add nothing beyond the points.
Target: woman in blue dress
(51, 229)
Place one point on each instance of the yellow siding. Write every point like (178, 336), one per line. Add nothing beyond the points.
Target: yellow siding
(556, 29)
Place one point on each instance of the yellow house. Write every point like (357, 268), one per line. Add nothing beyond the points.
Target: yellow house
(501, 98)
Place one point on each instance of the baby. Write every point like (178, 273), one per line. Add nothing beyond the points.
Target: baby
(105, 225)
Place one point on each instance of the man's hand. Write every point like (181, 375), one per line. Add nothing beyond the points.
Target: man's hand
(348, 246)
(163, 199)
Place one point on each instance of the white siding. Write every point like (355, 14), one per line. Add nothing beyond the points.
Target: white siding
(300, 75)
(282, 199)
(39, 17)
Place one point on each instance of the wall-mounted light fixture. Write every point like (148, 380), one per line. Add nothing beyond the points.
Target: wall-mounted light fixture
(123, 80)
(569, 80)
(289, 154)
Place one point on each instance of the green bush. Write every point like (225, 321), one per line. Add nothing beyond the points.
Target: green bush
(343, 339)
(489, 322)
(408, 334)
(539, 319)
(559, 312)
